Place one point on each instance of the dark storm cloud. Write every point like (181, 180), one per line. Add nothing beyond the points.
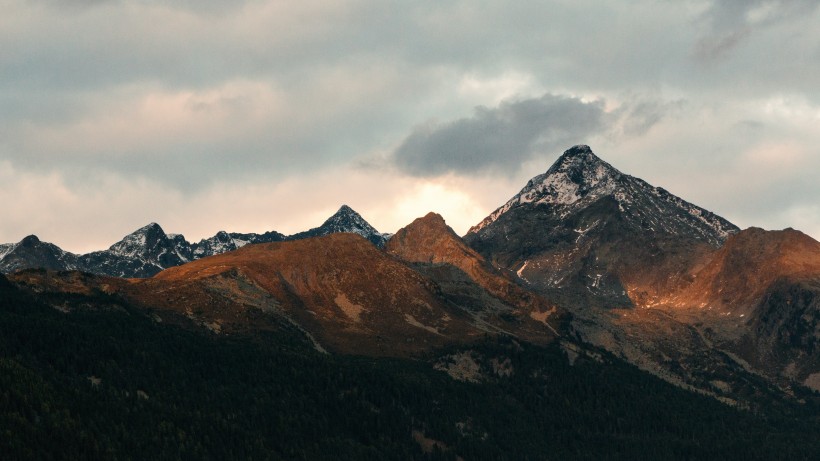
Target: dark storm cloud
(500, 138)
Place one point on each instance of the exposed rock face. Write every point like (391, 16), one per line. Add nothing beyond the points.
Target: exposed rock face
(223, 242)
(348, 294)
(715, 304)
(470, 281)
(345, 220)
(759, 296)
(31, 252)
(588, 234)
(148, 250)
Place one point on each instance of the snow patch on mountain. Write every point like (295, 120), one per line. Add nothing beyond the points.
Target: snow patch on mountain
(579, 178)
(345, 220)
(5, 248)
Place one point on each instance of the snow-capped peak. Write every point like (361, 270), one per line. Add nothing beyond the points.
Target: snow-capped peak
(577, 175)
(579, 178)
(344, 220)
(348, 220)
(136, 243)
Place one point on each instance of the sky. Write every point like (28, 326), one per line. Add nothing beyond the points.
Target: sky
(249, 116)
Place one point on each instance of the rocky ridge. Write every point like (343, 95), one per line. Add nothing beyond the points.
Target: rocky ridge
(587, 232)
(671, 287)
(345, 220)
(149, 250)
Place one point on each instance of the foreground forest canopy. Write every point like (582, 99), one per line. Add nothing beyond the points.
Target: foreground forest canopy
(106, 381)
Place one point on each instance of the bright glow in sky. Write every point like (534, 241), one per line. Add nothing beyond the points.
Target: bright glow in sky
(260, 115)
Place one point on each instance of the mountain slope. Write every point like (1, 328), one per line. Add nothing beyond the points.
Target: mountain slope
(600, 243)
(149, 250)
(33, 253)
(99, 378)
(467, 279)
(344, 220)
(348, 294)
(587, 233)
(759, 296)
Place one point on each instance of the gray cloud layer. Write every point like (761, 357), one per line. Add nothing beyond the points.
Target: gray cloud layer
(501, 138)
(190, 97)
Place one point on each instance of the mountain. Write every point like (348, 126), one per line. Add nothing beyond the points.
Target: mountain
(223, 242)
(349, 295)
(33, 253)
(465, 277)
(345, 220)
(759, 296)
(665, 284)
(344, 294)
(148, 250)
(585, 232)
(142, 253)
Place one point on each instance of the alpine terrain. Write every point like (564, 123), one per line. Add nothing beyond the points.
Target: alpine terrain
(665, 284)
(592, 316)
(148, 250)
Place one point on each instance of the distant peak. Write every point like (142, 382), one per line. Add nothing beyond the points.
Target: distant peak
(578, 149)
(430, 222)
(577, 157)
(30, 240)
(346, 210)
(151, 227)
(433, 216)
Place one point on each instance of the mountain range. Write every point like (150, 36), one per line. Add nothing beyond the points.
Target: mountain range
(148, 250)
(583, 256)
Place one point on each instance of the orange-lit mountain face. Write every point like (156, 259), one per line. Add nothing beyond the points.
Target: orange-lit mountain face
(340, 291)
(467, 279)
(760, 297)
(343, 291)
(739, 274)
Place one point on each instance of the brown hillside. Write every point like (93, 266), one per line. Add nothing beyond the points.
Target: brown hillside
(428, 241)
(351, 296)
(740, 273)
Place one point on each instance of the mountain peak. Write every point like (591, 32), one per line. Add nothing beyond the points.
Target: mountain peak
(150, 227)
(344, 209)
(30, 241)
(432, 219)
(346, 219)
(582, 151)
(429, 239)
(578, 165)
(576, 174)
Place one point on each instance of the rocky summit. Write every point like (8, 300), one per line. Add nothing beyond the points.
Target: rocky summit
(149, 250)
(345, 220)
(586, 232)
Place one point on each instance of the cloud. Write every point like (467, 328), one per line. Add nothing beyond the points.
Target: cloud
(181, 98)
(731, 22)
(500, 138)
